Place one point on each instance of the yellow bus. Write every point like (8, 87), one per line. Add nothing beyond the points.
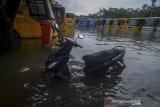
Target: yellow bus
(70, 17)
(114, 23)
(135, 23)
(60, 16)
(70, 24)
(109, 23)
(29, 16)
(120, 23)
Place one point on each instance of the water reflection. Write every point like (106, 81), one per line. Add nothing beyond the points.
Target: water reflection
(79, 89)
(24, 83)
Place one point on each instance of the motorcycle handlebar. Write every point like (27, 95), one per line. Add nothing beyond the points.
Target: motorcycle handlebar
(79, 46)
(74, 43)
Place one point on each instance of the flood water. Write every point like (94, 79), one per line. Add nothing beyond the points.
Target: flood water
(24, 83)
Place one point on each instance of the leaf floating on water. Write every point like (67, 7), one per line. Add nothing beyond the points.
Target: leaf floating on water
(24, 69)
(46, 94)
(26, 85)
(102, 44)
(41, 85)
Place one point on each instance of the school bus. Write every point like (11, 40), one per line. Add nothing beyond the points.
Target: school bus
(70, 24)
(70, 17)
(135, 23)
(120, 23)
(151, 24)
(60, 16)
(29, 15)
(109, 23)
(114, 23)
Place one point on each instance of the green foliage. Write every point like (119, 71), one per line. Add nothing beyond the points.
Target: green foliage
(145, 11)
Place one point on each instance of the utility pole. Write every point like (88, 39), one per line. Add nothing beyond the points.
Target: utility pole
(152, 6)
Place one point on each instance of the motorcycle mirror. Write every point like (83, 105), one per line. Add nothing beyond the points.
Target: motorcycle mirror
(80, 36)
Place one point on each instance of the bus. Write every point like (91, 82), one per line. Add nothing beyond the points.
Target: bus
(60, 16)
(135, 23)
(70, 24)
(114, 23)
(29, 15)
(151, 24)
(120, 23)
(70, 17)
(109, 23)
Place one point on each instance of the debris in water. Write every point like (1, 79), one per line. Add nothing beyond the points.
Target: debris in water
(24, 69)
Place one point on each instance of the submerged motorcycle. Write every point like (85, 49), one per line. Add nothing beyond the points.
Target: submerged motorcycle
(95, 64)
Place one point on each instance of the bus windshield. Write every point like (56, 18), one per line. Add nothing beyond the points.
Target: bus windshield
(132, 22)
(69, 15)
(149, 22)
(115, 22)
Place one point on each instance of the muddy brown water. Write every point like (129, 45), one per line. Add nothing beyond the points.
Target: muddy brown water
(23, 82)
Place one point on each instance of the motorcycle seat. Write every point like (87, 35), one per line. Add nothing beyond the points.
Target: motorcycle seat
(101, 57)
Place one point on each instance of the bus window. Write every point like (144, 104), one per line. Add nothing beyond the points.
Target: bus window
(132, 22)
(141, 22)
(70, 15)
(40, 10)
(121, 22)
(111, 22)
(115, 22)
(148, 22)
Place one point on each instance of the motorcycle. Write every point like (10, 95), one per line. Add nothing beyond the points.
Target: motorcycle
(95, 64)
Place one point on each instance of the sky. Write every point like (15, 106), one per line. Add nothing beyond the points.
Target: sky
(84, 7)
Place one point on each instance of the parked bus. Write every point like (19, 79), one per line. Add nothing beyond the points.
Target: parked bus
(70, 17)
(60, 16)
(136, 23)
(151, 24)
(120, 23)
(114, 23)
(70, 24)
(29, 16)
(109, 23)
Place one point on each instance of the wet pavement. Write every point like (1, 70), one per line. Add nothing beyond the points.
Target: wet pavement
(24, 83)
